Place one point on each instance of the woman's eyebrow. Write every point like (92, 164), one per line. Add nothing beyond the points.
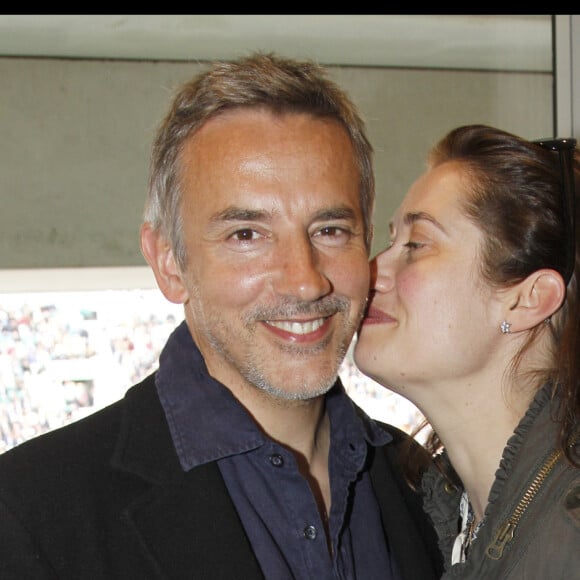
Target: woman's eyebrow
(412, 217)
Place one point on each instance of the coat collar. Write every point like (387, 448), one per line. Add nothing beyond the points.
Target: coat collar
(184, 521)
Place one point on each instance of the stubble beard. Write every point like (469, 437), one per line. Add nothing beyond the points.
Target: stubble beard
(254, 374)
(259, 373)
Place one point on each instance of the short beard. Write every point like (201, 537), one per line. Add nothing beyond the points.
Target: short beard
(252, 370)
(304, 392)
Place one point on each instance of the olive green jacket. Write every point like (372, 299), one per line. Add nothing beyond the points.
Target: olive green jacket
(531, 527)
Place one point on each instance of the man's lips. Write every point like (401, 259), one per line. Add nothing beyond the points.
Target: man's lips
(297, 327)
(377, 316)
(300, 330)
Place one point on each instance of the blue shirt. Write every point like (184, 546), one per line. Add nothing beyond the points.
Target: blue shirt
(274, 501)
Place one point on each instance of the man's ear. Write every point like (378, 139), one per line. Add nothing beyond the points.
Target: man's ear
(159, 255)
(535, 299)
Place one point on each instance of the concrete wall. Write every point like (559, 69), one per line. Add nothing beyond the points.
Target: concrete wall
(75, 139)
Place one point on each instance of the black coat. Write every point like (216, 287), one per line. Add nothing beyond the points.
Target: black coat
(106, 498)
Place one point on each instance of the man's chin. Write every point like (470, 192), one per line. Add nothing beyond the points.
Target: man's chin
(304, 391)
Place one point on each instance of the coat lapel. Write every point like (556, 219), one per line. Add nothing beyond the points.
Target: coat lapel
(185, 522)
(192, 527)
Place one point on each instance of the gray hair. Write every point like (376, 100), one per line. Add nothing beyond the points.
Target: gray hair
(262, 81)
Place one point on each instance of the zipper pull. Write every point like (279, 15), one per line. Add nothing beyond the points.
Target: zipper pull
(504, 535)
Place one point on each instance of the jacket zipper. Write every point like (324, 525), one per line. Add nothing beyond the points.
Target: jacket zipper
(505, 533)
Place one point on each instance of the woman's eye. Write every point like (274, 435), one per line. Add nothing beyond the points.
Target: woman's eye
(411, 245)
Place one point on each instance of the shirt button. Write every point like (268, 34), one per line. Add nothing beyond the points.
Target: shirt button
(310, 533)
(276, 460)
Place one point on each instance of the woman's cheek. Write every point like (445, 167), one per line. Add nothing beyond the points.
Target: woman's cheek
(411, 284)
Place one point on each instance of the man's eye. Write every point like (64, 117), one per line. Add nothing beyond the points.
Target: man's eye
(245, 235)
(333, 231)
(333, 235)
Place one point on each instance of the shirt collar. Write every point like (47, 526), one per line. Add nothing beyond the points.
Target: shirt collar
(207, 422)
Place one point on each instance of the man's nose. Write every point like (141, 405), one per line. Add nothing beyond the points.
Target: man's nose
(301, 272)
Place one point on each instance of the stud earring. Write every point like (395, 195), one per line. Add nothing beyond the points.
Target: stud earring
(505, 327)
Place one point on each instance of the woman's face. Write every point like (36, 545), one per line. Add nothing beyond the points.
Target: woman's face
(431, 318)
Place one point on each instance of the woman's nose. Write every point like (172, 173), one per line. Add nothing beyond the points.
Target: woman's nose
(382, 272)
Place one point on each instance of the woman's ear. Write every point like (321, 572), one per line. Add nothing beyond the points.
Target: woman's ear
(159, 255)
(535, 299)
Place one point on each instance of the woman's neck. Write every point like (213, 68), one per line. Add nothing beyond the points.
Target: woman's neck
(474, 423)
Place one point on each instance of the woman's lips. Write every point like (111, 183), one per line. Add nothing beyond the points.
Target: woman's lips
(376, 316)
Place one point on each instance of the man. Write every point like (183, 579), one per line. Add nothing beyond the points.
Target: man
(242, 457)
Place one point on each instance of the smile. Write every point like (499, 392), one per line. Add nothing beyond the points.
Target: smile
(297, 327)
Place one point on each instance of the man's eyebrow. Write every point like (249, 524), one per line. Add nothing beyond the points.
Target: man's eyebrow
(342, 212)
(412, 217)
(234, 214)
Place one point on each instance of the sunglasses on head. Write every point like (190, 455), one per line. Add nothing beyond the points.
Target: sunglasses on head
(565, 148)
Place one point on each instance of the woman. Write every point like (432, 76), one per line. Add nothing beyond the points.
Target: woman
(474, 318)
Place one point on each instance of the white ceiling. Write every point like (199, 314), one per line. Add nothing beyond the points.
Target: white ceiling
(502, 42)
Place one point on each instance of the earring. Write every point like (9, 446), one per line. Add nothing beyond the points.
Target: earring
(505, 327)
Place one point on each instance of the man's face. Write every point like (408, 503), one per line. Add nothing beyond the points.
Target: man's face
(277, 269)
